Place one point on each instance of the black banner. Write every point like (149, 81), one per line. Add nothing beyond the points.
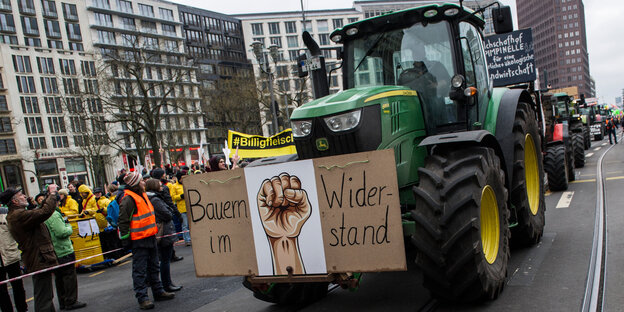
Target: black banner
(510, 57)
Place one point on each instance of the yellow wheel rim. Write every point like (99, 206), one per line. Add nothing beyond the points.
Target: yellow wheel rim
(531, 174)
(490, 227)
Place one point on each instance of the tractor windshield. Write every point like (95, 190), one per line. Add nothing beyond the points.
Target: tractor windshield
(419, 57)
(562, 103)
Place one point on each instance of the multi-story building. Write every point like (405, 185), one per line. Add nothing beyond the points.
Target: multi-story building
(215, 43)
(46, 61)
(141, 44)
(559, 41)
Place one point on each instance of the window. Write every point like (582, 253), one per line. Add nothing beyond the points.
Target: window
(3, 104)
(293, 41)
(106, 37)
(276, 41)
(150, 42)
(52, 105)
(95, 106)
(149, 27)
(337, 23)
(146, 10)
(32, 42)
(57, 124)
(169, 29)
(49, 85)
(291, 27)
(256, 29)
(30, 105)
(321, 25)
(124, 6)
(70, 12)
(274, 28)
(21, 64)
(30, 26)
(73, 31)
(166, 14)
(60, 142)
(26, 84)
(26, 6)
(52, 29)
(78, 124)
(91, 86)
(323, 39)
(33, 125)
(7, 23)
(76, 46)
(68, 67)
(5, 125)
(104, 19)
(7, 146)
(71, 86)
(171, 45)
(37, 143)
(307, 26)
(103, 4)
(352, 19)
(88, 68)
(293, 54)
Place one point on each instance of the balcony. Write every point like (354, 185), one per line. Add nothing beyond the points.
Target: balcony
(70, 17)
(75, 37)
(53, 34)
(31, 32)
(50, 14)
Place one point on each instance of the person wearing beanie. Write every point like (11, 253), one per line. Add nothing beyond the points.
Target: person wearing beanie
(33, 238)
(137, 228)
(177, 194)
(68, 206)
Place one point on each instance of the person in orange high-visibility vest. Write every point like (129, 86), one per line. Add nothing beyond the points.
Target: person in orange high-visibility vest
(137, 227)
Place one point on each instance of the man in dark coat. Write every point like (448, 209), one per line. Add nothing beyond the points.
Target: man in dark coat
(30, 232)
(165, 193)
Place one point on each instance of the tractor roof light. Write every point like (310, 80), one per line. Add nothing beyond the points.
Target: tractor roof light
(352, 31)
(336, 38)
(431, 13)
(457, 81)
(451, 12)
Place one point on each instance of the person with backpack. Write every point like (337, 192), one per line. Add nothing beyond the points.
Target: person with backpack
(164, 215)
(137, 228)
(610, 126)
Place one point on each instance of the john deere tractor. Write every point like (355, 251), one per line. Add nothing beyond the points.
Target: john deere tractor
(468, 156)
(566, 112)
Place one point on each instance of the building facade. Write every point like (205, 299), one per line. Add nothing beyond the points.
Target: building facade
(140, 46)
(48, 70)
(559, 41)
(215, 43)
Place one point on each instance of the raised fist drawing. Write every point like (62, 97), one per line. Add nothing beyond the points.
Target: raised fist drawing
(284, 208)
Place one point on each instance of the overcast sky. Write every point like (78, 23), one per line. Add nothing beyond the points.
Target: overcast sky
(605, 44)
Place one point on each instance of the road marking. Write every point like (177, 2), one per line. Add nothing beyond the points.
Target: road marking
(615, 178)
(30, 299)
(565, 200)
(583, 181)
(597, 148)
(98, 273)
(589, 155)
(605, 143)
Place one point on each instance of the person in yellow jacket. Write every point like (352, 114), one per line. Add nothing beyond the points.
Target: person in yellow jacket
(90, 208)
(177, 194)
(68, 205)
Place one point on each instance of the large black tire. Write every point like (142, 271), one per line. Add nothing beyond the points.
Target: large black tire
(527, 184)
(461, 195)
(295, 295)
(556, 166)
(570, 161)
(587, 138)
(579, 150)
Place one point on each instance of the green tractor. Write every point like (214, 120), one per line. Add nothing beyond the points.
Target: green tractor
(468, 156)
(559, 151)
(566, 112)
(591, 118)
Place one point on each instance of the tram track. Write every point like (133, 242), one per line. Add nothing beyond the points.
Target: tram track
(593, 299)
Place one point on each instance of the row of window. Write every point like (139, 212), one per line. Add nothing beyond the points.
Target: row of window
(70, 12)
(290, 27)
(129, 23)
(49, 85)
(34, 125)
(21, 64)
(36, 143)
(210, 23)
(144, 9)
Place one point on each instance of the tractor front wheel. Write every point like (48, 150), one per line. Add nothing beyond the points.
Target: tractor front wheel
(462, 227)
(587, 138)
(556, 167)
(579, 150)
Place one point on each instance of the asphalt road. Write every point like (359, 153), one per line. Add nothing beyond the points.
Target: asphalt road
(550, 276)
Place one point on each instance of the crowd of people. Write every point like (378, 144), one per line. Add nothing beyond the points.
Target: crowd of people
(150, 217)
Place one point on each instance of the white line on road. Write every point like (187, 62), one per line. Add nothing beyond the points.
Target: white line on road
(565, 200)
(605, 143)
(589, 155)
(597, 148)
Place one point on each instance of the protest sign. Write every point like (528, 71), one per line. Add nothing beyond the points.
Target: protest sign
(510, 57)
(325, 215)
(257, 146)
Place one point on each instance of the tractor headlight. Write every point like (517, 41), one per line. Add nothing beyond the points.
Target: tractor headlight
(301, 128)
(344, 122)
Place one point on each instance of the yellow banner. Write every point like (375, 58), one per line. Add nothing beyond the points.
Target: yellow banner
(257, 146)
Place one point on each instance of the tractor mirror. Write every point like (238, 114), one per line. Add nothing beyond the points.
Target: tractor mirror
(501, 17)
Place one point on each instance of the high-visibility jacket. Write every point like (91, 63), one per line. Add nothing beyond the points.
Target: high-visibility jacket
(143, 223)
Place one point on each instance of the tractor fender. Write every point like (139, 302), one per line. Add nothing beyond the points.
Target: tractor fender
(505, 122)
(474, 137)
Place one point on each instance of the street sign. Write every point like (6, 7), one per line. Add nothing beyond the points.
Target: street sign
(510, 57)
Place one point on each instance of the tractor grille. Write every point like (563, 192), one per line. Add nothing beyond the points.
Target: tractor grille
(365, 137)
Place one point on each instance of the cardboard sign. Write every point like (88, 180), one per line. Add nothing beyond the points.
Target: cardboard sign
(325, 215)
(257, 146)
(510, 57)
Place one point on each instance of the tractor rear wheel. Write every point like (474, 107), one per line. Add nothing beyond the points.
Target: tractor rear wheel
(556, 166)
(527, 185)
(579, 151)
(462, 227)
(587, 138)
(570, 161)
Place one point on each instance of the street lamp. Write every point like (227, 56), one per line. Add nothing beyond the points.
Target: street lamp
(263, 63)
